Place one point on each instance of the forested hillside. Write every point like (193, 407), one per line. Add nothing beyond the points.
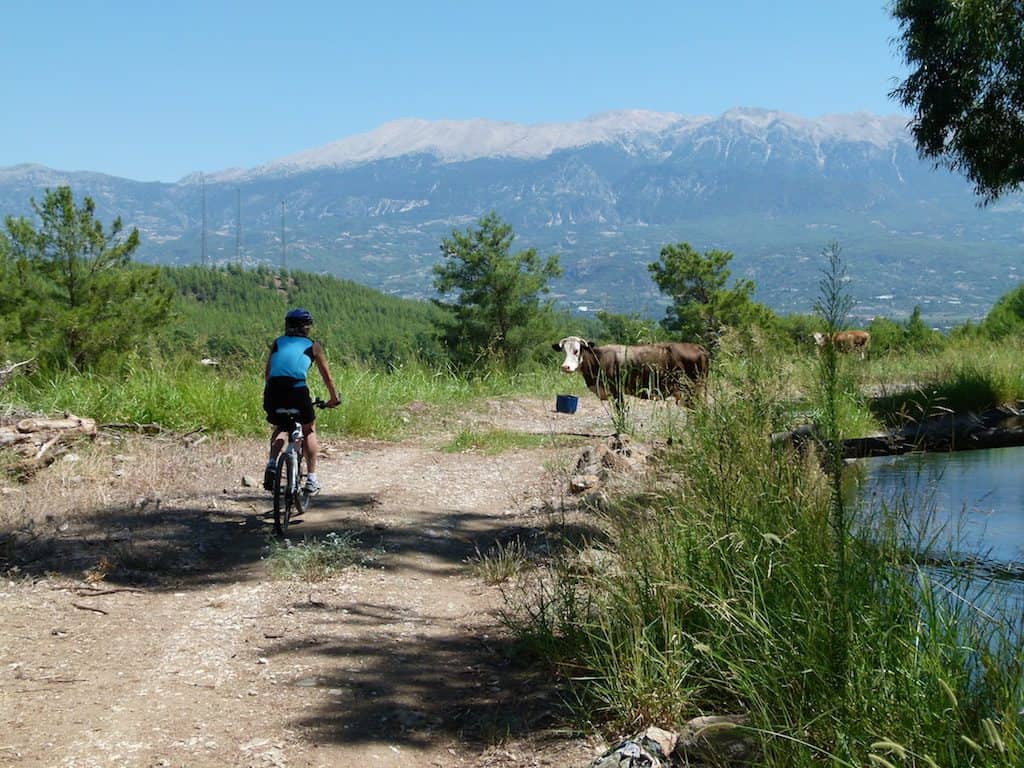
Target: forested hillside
(72, 298)
(230, 313)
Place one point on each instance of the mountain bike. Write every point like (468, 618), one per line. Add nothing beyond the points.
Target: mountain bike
(290, 499)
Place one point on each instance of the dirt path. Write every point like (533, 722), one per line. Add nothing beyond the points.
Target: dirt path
(144, 629)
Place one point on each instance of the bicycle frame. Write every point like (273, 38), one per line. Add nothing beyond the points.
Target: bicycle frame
(293, 454)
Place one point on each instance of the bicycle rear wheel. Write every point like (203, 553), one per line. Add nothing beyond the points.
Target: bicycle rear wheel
(281, 496)
(300, 497)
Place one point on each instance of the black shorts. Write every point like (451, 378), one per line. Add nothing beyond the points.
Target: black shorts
(281, 392)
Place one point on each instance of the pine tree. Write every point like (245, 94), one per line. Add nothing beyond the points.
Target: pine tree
(84, 301)
(497, 313)
(702, 304)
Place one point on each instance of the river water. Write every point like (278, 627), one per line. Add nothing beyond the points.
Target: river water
(971, 501)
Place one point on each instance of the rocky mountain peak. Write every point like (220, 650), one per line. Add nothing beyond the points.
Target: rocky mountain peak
(452, 141)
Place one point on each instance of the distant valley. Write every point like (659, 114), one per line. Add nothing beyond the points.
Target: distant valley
(605, 194)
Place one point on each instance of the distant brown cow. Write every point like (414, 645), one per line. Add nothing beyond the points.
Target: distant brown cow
(846, 341)
(647, 371)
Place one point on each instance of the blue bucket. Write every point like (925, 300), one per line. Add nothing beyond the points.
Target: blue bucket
(566, 403)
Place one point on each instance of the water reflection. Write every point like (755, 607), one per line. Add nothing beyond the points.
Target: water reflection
(975, 497)
(969, 505)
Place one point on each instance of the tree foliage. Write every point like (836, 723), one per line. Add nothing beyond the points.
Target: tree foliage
(496, 312)
(966, 87)
(702, 304)
(10, 316)
(1006, 318)
(796, 330)
(914, 334)
(628, 329)
(79, 299)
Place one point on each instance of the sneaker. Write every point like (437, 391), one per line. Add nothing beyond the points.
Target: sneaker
(312, 487)
(268, 477)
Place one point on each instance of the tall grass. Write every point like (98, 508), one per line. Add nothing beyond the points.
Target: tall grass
(725, 600)
(889, 389)
(183, 395)
(967, 375)
(739, 587)
(177, 396)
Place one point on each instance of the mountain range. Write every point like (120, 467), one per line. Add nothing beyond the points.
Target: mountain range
(605, 194)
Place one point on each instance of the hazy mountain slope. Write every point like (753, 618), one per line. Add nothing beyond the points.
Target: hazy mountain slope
(606, 194)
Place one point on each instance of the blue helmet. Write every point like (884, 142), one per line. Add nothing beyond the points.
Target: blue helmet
(297, 319)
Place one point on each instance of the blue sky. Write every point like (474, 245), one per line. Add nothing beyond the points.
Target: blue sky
(155, 90)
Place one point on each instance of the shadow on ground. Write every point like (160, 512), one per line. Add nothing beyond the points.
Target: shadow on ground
(394, 683)
(385, 685)
(211, 540)
(461, 684)
(194, 541)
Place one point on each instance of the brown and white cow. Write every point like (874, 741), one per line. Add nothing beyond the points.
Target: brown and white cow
(846, 341)
(649, 371)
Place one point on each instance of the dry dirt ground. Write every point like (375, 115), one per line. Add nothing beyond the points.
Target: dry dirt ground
(144, 629)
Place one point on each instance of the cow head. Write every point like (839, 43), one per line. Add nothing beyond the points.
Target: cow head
(573, 347)
(819, 338)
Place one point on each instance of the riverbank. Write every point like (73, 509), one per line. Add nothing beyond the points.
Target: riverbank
(999, 427)
(738, 582)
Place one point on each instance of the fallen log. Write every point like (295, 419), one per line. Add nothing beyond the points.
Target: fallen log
(972, 440)
(142, 429)
(35, 438)
(1001, 427)
(70, 421)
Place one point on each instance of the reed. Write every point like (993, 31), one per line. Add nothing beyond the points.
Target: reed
(747, 579)
(181, 395)
(726, 599)
(968, 375)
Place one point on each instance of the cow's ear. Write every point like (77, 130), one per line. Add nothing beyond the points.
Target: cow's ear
(589, 345)
(557, 346)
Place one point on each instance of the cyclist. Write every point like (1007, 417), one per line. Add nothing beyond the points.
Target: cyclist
(285, 386)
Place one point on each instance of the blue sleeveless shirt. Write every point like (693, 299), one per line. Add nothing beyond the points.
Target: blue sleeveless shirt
(291, 357)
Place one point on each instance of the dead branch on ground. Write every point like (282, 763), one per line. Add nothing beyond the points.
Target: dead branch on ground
(35, 438)
(89, 608)
(9, 368)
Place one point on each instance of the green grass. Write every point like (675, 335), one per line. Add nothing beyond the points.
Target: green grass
(885, 390)
(737, 593)
(963, 377)
(500, 562)
(183, 395)
(177, 396)
(312, 559)
(494, 441)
